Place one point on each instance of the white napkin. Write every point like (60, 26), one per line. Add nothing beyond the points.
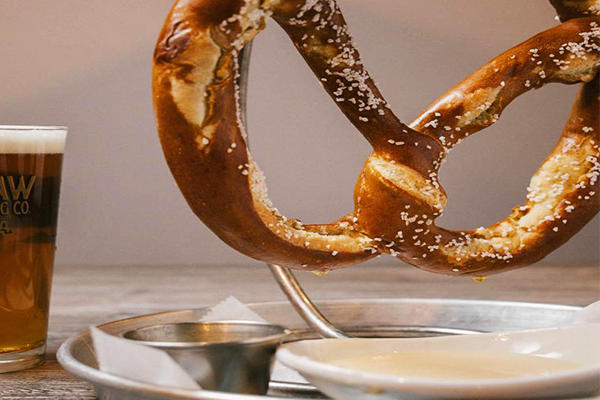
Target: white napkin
(587, 315)
(127, 359)
(231, 309)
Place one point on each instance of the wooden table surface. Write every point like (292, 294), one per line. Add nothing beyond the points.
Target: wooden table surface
(84, 296)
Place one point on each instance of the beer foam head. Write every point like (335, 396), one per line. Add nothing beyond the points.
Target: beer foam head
(32, 139)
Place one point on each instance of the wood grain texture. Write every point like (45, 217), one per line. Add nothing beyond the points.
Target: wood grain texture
(83, 296)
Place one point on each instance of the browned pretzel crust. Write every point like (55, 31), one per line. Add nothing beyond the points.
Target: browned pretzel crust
(397, 196)
(569, 9)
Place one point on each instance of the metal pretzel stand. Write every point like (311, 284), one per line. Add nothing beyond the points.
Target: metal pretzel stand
(354, 317)
(284, 277)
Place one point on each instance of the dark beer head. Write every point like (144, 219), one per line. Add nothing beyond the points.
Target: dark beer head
(18, 139)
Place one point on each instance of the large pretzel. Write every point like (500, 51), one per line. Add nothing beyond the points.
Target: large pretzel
(397, 196)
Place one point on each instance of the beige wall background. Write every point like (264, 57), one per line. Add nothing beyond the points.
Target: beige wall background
(86, 64)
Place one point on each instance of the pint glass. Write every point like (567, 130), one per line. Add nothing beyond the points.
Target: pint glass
(30, 174)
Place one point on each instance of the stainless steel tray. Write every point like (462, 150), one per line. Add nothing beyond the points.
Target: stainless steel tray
(373, 317)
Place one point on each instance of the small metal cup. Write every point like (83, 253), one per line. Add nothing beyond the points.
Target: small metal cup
(232, 356)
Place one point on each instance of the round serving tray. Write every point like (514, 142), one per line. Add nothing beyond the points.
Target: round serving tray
(372, 318)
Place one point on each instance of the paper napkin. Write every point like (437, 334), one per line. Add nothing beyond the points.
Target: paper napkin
(130, 360)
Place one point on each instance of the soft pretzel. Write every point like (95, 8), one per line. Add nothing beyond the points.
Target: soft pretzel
(397, 196)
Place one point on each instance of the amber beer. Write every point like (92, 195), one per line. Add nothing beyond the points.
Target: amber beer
(30, 174)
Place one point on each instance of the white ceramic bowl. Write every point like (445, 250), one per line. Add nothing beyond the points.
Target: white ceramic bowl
(577, 344)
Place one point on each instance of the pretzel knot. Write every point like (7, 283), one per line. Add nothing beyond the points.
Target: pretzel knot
(397, 197)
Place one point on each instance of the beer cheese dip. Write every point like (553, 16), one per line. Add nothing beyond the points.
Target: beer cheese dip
(456, 365)
(536, 364)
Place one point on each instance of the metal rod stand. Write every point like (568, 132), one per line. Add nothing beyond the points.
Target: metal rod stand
(284, 277)
(303, 305)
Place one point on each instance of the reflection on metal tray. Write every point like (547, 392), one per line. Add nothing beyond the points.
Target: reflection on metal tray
(371, 318)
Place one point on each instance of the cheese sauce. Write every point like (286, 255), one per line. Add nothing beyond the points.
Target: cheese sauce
(456, 365)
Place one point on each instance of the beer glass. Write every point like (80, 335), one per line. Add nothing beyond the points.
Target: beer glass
(30, 173)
